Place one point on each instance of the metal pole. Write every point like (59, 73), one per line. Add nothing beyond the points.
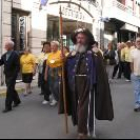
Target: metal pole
(1, 42)
(101, 29)
(94, 115)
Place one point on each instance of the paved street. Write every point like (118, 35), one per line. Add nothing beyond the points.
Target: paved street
(33, 120)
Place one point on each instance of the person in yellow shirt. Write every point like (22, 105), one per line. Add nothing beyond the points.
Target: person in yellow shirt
(54, 58)
(126, 58)
(27, 62)
(52, 71)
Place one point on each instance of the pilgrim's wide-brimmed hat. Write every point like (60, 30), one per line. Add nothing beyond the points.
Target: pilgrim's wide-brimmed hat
(91, 41)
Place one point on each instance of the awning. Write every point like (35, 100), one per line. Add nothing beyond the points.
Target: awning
(138, 1)
(130, 27)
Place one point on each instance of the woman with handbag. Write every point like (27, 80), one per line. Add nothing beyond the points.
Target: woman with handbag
(116, 66)
(109, 56)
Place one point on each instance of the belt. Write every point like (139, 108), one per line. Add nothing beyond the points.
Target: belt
(81, 75)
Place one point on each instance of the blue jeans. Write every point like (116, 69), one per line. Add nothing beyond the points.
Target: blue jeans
(54, 87)
(136, 83)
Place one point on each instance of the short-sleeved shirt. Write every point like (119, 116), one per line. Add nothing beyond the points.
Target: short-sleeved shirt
(125, 54)
(135, 58)
(54, 60)
(27, 63)
(40, 61)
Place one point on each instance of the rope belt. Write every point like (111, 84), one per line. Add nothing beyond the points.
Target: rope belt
(81, 75)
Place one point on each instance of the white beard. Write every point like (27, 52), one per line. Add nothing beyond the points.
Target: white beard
(81, 48)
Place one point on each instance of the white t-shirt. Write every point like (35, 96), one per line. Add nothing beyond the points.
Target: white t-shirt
(135, 58)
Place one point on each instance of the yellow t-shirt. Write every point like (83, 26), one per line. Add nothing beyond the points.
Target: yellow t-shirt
(54, 60)
(126, 54)
(27, 63)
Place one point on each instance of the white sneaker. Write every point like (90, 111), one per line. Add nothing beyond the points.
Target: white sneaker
(45, 102)
(128, 80)
(53, 103)
(25, 94)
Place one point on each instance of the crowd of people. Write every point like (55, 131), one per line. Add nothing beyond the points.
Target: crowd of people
(124, 60)
(119, 59)
(88, 92)
(85, 77)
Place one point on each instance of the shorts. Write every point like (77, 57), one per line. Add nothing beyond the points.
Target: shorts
(27, 78)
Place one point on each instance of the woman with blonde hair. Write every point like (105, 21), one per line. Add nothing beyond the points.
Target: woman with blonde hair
(126, 58)
(28, 69)
(52, 72)
(119, 67)
(121, 62)
(109, 56)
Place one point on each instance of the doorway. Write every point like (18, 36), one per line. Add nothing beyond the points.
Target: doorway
(20, 28)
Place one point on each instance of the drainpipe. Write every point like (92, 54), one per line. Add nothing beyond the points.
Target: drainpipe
(1, 28)
(1, 42)
(102, 30)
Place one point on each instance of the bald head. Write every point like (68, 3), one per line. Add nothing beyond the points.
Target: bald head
(9, 45)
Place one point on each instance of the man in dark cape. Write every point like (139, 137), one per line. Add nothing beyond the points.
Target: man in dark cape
(86, 78)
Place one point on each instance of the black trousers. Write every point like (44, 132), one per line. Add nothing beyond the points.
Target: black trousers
(39, 80)
(116, 67)
(127, 70)
(54, 86)
(11, 95)
(45, 90)
(121, 69)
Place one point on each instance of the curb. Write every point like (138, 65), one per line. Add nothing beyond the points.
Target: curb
(3, 93)
(19, 88)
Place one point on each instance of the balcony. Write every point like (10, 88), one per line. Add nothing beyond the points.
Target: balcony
(122, 7)
(116, 10)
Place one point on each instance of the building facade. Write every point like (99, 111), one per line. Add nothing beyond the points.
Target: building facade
(123, 20)
(30, 22)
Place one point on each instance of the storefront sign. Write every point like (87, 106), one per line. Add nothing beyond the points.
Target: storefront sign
(130, 27)
(22, 29)
(72, 13)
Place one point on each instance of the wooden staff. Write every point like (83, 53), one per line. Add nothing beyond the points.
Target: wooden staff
(63, 72)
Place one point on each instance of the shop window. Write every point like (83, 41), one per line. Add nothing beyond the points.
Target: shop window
(119, 1)
(19, 29)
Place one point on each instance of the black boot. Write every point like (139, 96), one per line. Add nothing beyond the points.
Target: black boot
(7, 110)
(17, 104)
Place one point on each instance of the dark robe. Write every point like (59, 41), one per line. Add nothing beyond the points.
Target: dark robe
(80, 90)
